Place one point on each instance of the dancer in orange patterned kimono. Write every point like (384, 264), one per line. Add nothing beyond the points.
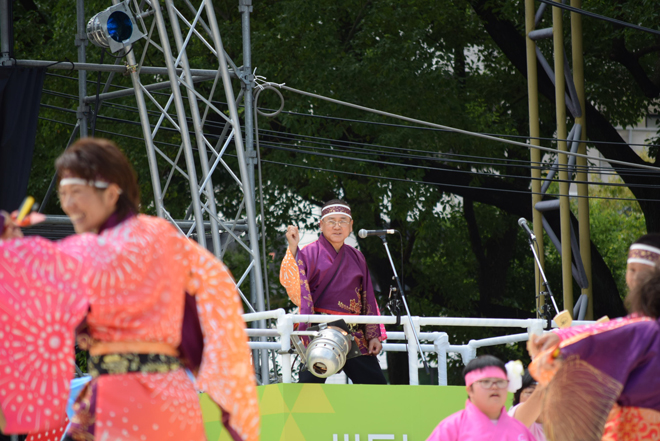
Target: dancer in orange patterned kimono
(138, 275)
(603, 380)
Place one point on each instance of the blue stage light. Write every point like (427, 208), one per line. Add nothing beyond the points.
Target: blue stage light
(120, 27)
(114, 29)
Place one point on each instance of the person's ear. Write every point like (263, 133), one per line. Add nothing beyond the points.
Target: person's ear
(112, 194)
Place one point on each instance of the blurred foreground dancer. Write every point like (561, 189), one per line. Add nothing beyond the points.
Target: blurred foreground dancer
(329, 277)
(484, 417)
(603, 380)
(130, 279)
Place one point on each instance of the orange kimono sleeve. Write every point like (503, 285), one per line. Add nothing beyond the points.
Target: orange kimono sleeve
(290, 277)
(226, 373)
(42, 300)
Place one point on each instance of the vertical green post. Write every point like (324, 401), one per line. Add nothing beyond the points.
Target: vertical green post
(534, 133)
(564, 202)
(582, 175)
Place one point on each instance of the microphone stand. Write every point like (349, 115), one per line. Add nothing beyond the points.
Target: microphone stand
(546, 314)
(405, 304)
(394, 303)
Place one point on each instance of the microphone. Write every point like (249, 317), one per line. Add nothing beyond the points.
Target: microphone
(365, 233)
(523, 223)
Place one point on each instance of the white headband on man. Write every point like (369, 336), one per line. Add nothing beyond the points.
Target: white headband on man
(644, 254)
(336, 209)
(80, 181)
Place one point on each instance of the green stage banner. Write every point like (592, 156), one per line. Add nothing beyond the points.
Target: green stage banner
(333, 412)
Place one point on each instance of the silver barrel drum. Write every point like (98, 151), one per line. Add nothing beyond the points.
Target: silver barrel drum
(327, 352)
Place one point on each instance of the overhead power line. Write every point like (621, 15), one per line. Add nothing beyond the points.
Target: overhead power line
(506, 162)
(440, 184)
(403, 126)
(393, 179)
(435, 158)
(453, 129)
(447, 170)
(440, 156)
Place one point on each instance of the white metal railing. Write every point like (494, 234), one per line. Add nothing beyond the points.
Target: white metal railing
(436, 342)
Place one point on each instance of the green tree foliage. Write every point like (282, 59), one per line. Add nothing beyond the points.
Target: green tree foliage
(615, 224)
(459, 63)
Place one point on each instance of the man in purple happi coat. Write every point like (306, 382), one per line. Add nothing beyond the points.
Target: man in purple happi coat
(329, 277)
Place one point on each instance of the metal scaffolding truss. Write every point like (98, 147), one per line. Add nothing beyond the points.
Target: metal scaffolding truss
(189, 108)
(203, 156)
(569, 88)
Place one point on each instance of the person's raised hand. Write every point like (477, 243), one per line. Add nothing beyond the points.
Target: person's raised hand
(293, 237)
(10, 230)
(538, 344)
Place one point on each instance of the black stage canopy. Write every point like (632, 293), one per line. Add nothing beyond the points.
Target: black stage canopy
(20, 95)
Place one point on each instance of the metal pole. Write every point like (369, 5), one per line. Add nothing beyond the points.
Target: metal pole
(245, 7)
(412, 348)
(441, 344)
(81, 42)
(545, 280)
(51, 186)
(128, 92)
(583, 188)
(96, 67)
(183, 122)
(285, 328)
(146, 128)
(240, 153)
(5, 30)
(199, 130)
(535, 154)
(413, 325)
(564, 201)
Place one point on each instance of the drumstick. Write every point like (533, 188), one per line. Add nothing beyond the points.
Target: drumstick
(25, 209)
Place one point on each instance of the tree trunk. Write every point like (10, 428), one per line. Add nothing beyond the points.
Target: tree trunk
(494, 257)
